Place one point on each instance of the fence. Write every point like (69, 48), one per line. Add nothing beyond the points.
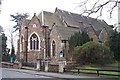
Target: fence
(98, 72)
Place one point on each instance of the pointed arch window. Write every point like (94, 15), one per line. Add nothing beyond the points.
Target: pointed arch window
(34, 42)
(53, 48)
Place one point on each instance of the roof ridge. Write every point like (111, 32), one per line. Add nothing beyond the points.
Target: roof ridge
(81, 15)
(46, 11)
(68, 11)
(94, 31)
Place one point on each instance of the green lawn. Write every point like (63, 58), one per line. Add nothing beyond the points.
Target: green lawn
(116, 64)
(103, 72)
(108, 66)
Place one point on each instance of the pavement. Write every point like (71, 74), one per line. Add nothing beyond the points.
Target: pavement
(50, 74)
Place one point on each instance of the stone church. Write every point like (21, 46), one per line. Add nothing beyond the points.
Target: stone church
(46, 35)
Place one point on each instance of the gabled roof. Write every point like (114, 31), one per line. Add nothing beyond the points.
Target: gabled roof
(50, 18)
(73, 19)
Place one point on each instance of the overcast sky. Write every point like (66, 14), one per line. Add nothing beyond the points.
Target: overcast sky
(36, 6)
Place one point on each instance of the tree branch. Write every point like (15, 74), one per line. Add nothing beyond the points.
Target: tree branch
(99, 8)
(83, 3)
(113, 8)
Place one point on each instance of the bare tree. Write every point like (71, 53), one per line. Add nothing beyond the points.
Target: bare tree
(0, 2)
(1, 29)
(98, 7)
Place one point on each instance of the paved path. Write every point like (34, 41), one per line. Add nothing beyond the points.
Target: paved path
(18, 73)
(22, 74)
(49, 74)
(13, 73)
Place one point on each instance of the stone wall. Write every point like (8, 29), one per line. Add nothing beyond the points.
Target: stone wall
(9, 65)
(53, 68)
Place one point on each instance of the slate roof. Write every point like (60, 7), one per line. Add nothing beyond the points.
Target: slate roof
(66, 32)
(50, 18)
(72, 20)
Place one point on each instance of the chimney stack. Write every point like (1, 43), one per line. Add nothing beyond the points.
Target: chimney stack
(81, 27)
(43, 23)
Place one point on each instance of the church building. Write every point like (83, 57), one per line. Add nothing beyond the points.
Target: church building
(46, 35)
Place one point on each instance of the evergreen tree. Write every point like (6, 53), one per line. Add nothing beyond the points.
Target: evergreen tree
(18, 18)
(78, 39)
(5, 54)
(114, 43)
(4, 45)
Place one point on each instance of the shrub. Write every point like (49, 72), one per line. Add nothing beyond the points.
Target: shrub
(93, 53)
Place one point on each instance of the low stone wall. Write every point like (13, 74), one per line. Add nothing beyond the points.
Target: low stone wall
(53, 68)
(9, 65)
(29, 64)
